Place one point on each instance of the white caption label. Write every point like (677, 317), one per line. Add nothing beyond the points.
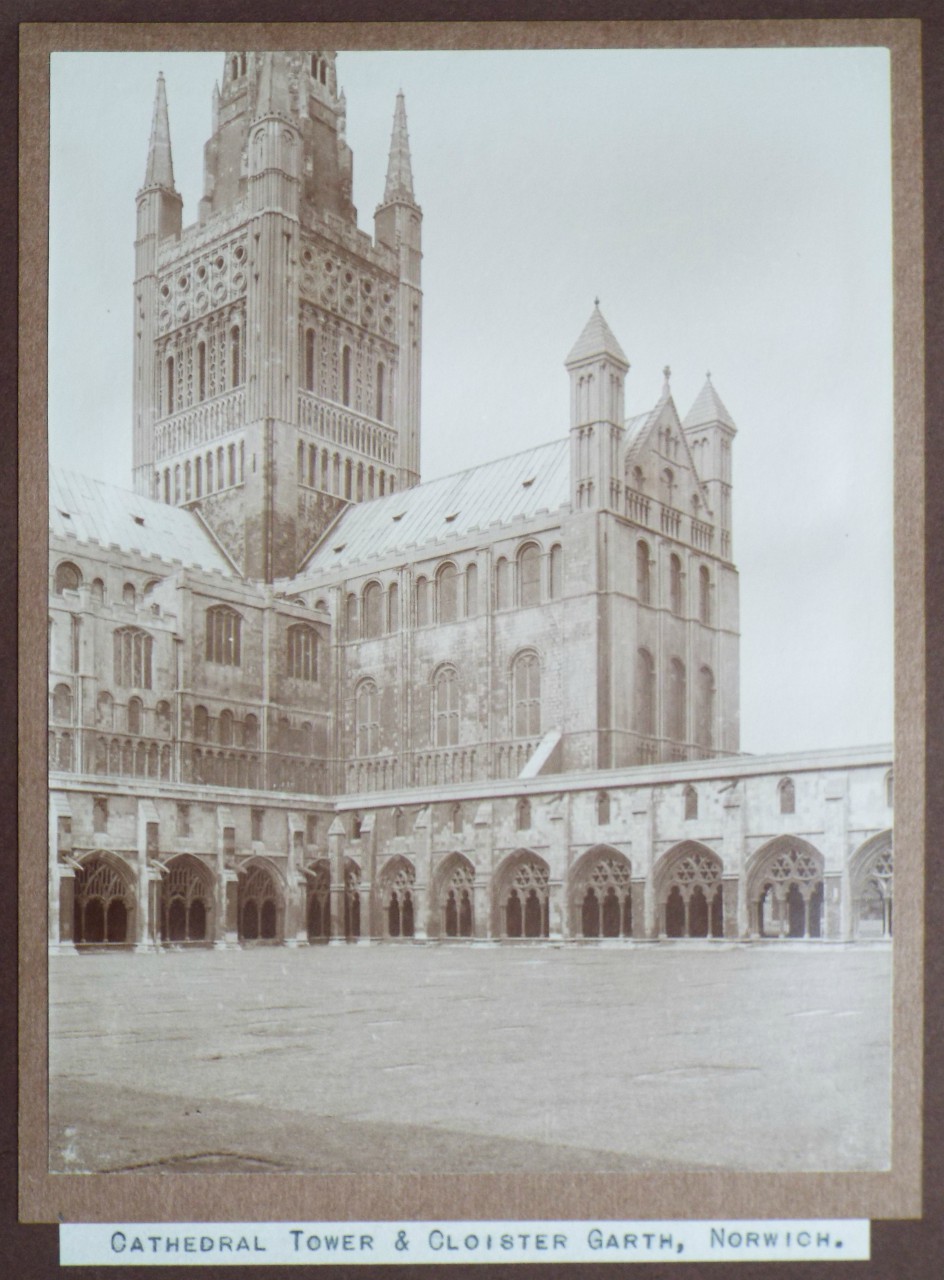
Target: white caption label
(306, 1243)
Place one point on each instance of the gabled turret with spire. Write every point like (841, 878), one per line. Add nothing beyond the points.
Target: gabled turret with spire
(597, 366)
(710, 432)
(398, 225)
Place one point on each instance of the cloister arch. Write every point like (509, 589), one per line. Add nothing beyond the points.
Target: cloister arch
(261, 902)
(522, 896)
(785, 889)
(454, 897)
(103, 901)
(689, 893)
(187, 901)
(601, 894)
(871, 876)
(397, 882)
(318, 901)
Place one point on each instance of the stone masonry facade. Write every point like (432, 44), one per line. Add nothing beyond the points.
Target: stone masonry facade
(298, 696)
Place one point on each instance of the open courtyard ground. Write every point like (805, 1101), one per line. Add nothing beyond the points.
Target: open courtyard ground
(467, 1059)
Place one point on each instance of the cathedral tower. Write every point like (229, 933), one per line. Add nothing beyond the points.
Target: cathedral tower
(277, 345)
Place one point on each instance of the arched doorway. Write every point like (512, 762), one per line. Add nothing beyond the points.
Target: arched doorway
(456, 898)
(690, 894)
(785, 890)
(186, 902)
(601, 896)
(397, 898)
(524, 897)
(103, 903)
(873, 879)
(260, 906)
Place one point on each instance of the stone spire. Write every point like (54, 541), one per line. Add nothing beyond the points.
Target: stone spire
(160, 164)
(708, 407)
(597, 340)
(272, 96)
(399, 170)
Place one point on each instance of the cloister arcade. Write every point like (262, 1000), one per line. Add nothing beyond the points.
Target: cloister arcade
(780, 893)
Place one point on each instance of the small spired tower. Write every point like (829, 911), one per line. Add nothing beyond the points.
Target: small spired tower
(398, 225)
(160, 212)
(597, 366)
(710, 432)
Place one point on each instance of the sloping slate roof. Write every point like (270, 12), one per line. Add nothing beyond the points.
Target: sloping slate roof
(597, 339)
(91, 510)
(492, 493)
(708, 407)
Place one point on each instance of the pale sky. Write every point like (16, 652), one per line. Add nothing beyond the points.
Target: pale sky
(730, 208)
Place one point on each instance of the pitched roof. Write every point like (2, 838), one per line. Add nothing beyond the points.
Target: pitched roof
(495, 493)
(93, 511)
(708, 407)
(596, 340)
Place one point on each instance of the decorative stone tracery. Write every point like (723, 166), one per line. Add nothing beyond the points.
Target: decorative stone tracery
(103, 903)
(873, 881)
(786, 896)
(602, 896)
(397, 899)
(186, 902)
(259, 906)
(524, 898)
(690, 900)
(456, 899)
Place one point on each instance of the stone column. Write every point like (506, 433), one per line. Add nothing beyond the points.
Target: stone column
(363, 898)
(731, 906)
(637, 890)
(481, 918)
(831, 926)
(62, 917)
(483, 858)
(423, 841)
(558, 914)
(555, 910)
(294, 926)
(642, 805)
(835, 837)
(733, 860)
(145, 898)
(154, 888)
(227, 915)
(337, 837)
(419, 912)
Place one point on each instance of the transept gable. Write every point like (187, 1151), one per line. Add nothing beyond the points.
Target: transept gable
(657, 459)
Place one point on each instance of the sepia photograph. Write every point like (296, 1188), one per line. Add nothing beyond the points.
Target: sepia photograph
(471, 615)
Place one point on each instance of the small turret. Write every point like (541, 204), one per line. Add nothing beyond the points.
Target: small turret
(597, 366)
(710, 432)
